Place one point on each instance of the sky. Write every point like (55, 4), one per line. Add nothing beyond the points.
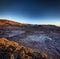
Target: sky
(31, 11)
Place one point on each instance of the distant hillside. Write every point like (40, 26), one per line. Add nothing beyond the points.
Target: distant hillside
(3, 22)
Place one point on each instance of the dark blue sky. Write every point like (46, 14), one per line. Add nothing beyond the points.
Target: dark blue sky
(31, 11)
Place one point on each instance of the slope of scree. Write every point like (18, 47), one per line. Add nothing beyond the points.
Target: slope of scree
(13, 50)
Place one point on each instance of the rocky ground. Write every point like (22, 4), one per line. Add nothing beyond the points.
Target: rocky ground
(13, 50)
(44, 39)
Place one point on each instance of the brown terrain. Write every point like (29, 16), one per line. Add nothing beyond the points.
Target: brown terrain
(27, 41)
(3, 22)
(13, 50)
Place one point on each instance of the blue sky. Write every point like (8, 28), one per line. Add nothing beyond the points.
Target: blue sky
(31, 11)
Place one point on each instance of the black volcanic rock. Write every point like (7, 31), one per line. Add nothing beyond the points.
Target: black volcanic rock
(41, 38)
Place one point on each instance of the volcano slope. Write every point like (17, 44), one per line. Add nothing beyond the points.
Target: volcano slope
(44, 39)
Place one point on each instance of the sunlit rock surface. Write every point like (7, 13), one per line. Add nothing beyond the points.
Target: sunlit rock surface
(43, 39)
(13, 50)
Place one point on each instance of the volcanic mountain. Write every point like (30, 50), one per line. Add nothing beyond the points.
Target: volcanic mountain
(43, 39)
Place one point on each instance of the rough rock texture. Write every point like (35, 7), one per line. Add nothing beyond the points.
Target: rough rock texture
(44, 39)
(13, 50)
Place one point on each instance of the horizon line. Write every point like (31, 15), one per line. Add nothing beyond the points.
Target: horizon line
(57, 24)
